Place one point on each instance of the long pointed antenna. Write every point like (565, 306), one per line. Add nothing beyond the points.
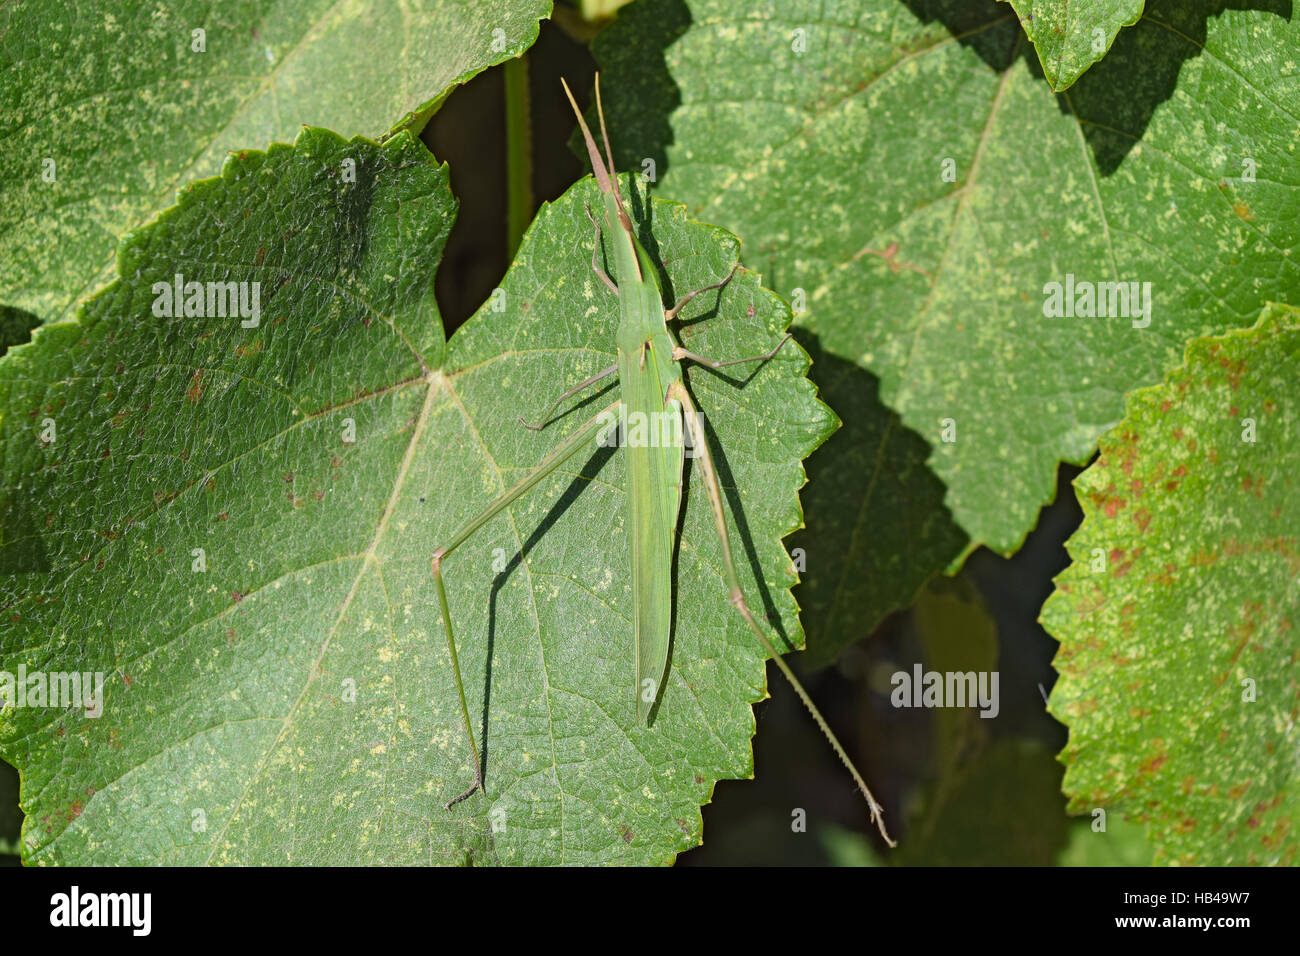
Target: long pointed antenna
(606, 176)
(604, 134)
(603, 176)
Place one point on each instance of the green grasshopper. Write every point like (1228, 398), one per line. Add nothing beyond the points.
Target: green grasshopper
(650, 376)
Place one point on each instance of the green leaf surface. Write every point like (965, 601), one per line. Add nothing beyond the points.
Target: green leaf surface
(1120, 844)
(1072, 35)
(830, 165)
(296, 697)
(847, 847)
(114, 95)
(956, 635)
(1177, 620)
(877, 525)
(1001, 809)
(987, 800)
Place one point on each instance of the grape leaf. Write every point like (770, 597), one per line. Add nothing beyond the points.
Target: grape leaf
(1002, 808)
(293, 702)
(1177, 619)
(1165, 163)
(956, 634)
(987, 799)
(877, 528)
(113, 100)
(1072, 35)
(847, 847)
(1120, 844)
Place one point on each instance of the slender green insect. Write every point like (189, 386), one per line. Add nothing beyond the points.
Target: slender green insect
(650, 377)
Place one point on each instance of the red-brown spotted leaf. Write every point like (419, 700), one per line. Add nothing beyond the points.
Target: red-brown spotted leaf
(1179, 619)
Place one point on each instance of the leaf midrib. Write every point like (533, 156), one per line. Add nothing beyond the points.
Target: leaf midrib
(368, 558)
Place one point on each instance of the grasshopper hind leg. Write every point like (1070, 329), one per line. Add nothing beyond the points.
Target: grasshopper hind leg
(704, 459)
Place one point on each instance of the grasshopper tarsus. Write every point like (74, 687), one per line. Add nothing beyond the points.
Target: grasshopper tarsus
(680, 353)
(478, 785)
(473, 789)
(684, 300)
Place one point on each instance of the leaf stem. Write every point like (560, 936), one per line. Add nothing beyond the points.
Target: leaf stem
(519, 154)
